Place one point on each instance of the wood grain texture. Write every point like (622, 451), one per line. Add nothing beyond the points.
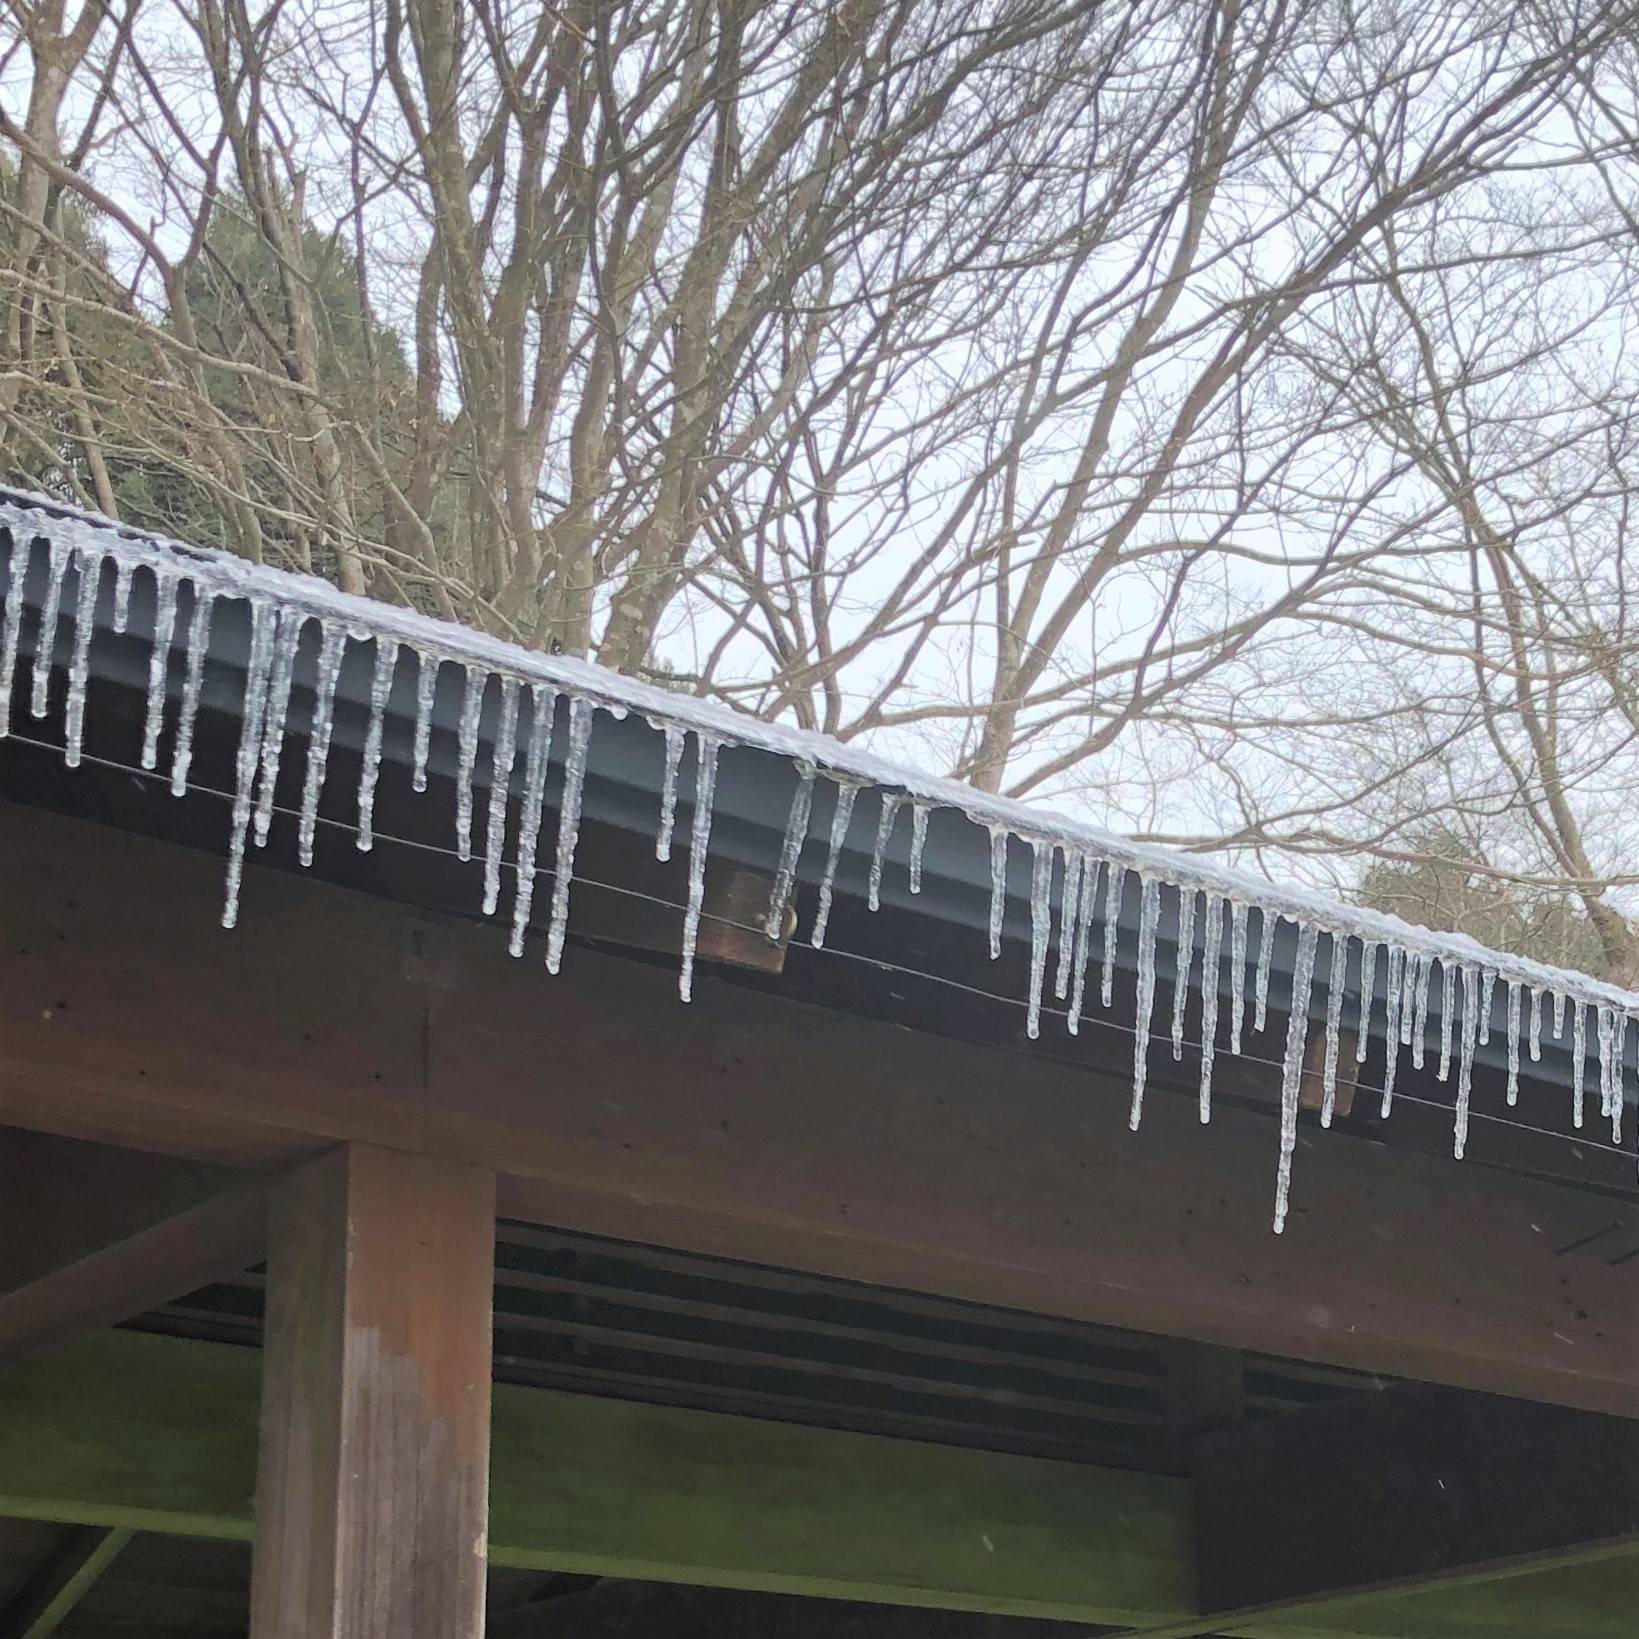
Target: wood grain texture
(372, 1478)
(754, 1127)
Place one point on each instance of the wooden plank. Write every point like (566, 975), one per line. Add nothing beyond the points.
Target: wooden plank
(1419, 1483)
(61, 1580)
(69, 1280)
(371, 1493)
(752, 1127)
(160, 1433)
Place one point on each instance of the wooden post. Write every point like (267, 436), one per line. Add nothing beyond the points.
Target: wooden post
(373, 1468)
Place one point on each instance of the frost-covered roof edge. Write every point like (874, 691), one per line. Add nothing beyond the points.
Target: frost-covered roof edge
(282, 602)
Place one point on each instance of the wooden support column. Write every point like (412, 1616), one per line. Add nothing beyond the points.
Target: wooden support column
(373, 1467)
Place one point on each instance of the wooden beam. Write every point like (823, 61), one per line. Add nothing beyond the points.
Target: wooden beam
(61, 1580)
(748, 1126)
(67, 1278)
(159, 1433)
(371, 1492)
(1418, 1484)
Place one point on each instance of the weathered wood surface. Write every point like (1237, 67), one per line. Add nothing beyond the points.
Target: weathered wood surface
(90, 1236)
(159, 1433)
(752, 1127)
(372, 1479)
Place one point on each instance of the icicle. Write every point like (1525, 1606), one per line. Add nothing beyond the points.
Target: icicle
(1559, 1013)
(263, 626)
(1488, 981)
(1579, 1052)
(1083, 943)
(158, 664)
(574, 787)
(1619, 1045)
(198, 647)
(705, 797)
(79, 667)
(1237, 973)
(543, 704)
(1513, 1042)
(1536, 1024)
(123, 571)
(1419, 1017)
(1181, 967)
(919, 841)
(1149, 911)
(1266, 952)
(1115, 883)
(1465, 1064)
(472, 710)
(426, 692)
(14, 624)
(1605, 1026)
(332, 646)
(841, 816)
(1041, 927)
(503, 753)
(1211, 953)
(277, 709)
(879, 850)
(1394, 1006)
(381, 686)
(1408, 1001)
(796, 833)
(1334, 1025)
(1368, 983)
(675, 735)
(1069, 912)
(1291, 1081)
(45, 642)
(1448, 1010)
(998, 887)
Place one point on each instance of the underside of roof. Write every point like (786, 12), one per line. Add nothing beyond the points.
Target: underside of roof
(282, 714)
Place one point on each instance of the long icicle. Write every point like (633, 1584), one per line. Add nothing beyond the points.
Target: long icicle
(1297, 1040)
(472, 711)
(1041, 929)
(1394, 1005)
(1083, 944)
(1579, 1053)
(79, 667)
(381, 686)
(193, 683)
(1149, 911)
(919, 842)
(998, 887)
(796, 833)
(332, 648)
(426, 694)
(879, 849)
(1115, 883)
(1212, 938)
(543, 703)
(503, 753)
(841, 816)
(263, 626)
(1181, 967)
(1448, 1012)
(1069, 912)
(1267, 923)
(1334, 1027)
(1237, 972)
(1513, 1042)
(45, 642)
(1368, 985)
(158, 666)
(1465, 1063)
(675, 735)
(275, 711)
(575, 757)
(705, 798)
(1536, 1024)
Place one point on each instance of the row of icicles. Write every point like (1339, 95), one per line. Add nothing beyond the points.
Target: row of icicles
(1088, 887)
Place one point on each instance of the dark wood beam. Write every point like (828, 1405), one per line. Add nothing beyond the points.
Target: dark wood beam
(1415, 1486)
(750, 1126)
(61, 1580)
(373, 1466)
(93, 1236)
